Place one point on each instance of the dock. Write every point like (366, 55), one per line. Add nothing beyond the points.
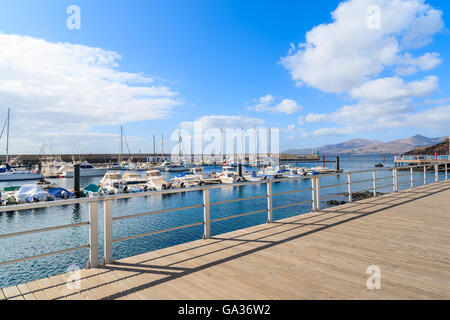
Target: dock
(321, 255)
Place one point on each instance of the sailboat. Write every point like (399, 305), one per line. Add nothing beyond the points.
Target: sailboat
(9, 174)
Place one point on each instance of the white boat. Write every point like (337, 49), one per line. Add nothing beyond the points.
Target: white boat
(156, 181)
(270, 173)
(320, 170)
(113, 183)
(252, 177)
(30, 193)
(294, 172)
(86, 170)
(9, 174)
(229, 175)
(133, 178)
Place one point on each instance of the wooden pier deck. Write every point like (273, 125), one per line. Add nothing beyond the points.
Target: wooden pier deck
(313, 256)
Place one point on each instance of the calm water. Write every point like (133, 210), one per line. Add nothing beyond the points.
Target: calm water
(14, 248)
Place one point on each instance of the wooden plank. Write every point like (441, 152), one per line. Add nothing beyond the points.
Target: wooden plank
(12, 293)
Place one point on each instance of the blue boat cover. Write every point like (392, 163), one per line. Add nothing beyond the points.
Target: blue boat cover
(58, 192)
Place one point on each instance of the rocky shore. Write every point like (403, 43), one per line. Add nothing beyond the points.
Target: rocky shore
(356, 196)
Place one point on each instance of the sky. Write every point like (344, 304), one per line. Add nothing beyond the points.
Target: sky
(74, 72)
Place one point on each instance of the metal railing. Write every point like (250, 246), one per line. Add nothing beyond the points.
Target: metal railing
(422, 157)
(109, 220)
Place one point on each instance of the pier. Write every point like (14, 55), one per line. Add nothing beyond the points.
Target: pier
(420, 160)
(325, 254)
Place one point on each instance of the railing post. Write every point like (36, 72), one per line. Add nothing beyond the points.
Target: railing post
(395, 177)
(108, 257)
(314, 194)
(374, 179)
(446, 172)
(206, 215)
(412, 178)
(269, 203)
(318, 193)
(436, 173)
(350, 195)
(424, 174)
(93, 235)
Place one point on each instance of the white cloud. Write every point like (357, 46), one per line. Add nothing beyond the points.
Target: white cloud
(386, 89)
(366, 65)
(287, 106)
(63, 87)
(267, 104)
(342, 55)
(223, 121)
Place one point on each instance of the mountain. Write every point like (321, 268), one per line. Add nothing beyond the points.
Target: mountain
(364, 146)
(440, 148)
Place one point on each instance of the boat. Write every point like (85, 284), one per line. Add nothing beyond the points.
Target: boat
(320, 170)
(252, 177)
(7, 173)
(30, 193)
(294, 172)
(86, 170)
(59, 193)
(229, 175)
(155, 181)
(133, 178)
(270, 173)
(113, 183)
(93, 190)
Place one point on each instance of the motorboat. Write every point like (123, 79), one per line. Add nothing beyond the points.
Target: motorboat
(229, 175)
(9, 174)
(253, 177)
(320, 170)
(113, 183)
(86, 170)
(133, 178)
(270, 173)
(155, 181)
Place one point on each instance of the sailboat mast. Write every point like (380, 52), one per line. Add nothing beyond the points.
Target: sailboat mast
(221, 144)
(154, 149)
(121, 144)
(7, 138)
(203, 162)
(243, 146)
(162, 145)
(180, 152)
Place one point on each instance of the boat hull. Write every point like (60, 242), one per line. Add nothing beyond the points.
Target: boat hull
(86, 173)
(20, 176)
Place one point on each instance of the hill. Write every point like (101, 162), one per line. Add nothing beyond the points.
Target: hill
(364, 146)
(440, 148)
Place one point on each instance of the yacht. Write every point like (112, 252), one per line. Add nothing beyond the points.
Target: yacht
(270, 173)
(133, 178)
(9, 174)
(229, 175)
(86, 170)
(156, 181)
(113, 183)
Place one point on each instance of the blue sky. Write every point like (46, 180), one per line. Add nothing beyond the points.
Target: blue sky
(219, 58)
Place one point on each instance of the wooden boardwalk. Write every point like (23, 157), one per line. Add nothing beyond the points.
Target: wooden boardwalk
(313, 256)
